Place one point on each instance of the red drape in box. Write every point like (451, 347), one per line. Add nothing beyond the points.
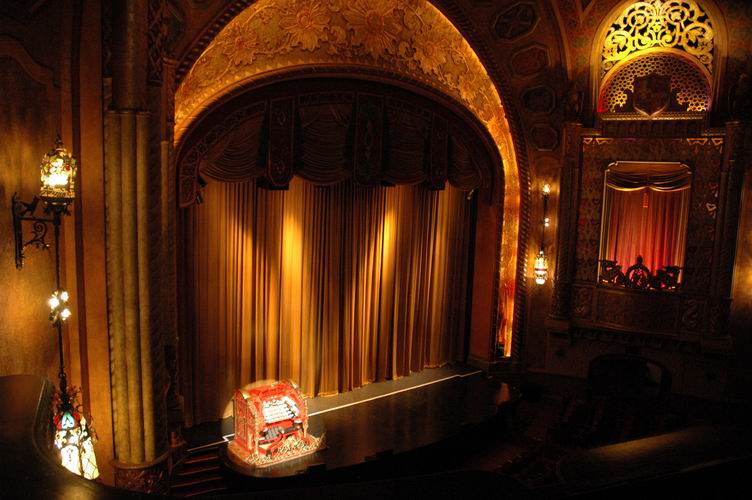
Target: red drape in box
(648, 223)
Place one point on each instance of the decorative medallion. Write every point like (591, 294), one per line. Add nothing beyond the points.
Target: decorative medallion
(677, 24)
(530, 61)
(517, 20)
(540, 99)
(545, 137)
(652, 93)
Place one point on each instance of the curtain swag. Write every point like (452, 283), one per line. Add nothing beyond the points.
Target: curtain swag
(632, 176)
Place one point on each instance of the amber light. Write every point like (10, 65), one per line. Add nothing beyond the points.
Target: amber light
(541, 268)
(73, 438)
(58, 175)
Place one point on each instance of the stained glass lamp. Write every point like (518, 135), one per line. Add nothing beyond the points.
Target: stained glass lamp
(58, 176)
(74, 439)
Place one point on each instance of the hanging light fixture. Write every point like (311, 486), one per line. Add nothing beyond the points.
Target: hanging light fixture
(540, 270)
(74, 437)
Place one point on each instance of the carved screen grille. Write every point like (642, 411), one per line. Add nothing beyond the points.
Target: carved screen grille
(679, 24)
(693, 90)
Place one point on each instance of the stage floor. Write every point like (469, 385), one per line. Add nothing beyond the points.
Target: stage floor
(390, 418)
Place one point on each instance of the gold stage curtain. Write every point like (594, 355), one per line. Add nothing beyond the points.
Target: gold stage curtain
(332, 287)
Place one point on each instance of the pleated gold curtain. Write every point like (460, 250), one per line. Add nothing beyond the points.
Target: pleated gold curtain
(332, 287)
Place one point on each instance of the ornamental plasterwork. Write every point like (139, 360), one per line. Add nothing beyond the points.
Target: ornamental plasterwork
(403, 37)
(679, 24)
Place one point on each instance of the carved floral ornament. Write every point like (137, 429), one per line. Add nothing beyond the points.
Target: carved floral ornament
(678, 24)
(409, 38)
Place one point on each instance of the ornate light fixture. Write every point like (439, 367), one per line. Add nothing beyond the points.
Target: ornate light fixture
(73, 436)
(57, 192)
(540, 270)
(58, 176)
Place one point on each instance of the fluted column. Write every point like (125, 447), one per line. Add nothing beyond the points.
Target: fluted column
(135, 256)
(567, 222)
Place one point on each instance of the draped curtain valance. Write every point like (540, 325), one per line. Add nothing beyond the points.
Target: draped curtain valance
(631, 176)
(329, 131)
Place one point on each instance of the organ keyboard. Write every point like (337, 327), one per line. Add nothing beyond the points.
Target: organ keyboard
(271, 424)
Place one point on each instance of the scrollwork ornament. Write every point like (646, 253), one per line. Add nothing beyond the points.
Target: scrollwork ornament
(678, 24)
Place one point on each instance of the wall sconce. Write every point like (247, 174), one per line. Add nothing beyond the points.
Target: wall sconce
(540, 270)
(57, 192)
(73, 436)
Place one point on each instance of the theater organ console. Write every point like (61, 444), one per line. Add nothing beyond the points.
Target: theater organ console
(271, 425)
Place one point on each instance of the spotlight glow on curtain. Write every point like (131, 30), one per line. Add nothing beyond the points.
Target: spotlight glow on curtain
(645, 213)
(332, 287)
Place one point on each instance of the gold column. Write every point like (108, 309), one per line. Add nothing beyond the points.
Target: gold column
(135, 258)
(114, 224)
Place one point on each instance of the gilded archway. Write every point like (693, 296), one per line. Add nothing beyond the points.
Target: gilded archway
(407, 38)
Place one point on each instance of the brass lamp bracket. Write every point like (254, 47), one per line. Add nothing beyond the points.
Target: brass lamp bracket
(27, 212)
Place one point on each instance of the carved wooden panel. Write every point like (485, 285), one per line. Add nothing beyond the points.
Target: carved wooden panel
(637, 311)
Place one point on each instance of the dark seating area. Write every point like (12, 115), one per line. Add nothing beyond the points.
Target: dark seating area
(627, 406)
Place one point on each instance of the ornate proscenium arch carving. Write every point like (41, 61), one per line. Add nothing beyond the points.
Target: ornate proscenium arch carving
(408, 39)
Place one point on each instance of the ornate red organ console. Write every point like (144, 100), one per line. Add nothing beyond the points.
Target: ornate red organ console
(271, 425)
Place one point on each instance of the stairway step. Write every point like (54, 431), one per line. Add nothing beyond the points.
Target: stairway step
(193, 471)
(200, 459)
(190, 483)
(205, 491)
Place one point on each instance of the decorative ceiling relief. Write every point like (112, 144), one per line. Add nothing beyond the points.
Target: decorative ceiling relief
(407, 37)
(676, 24)
(540, 99)
(530, 60)
(516, 21)
(545, 137)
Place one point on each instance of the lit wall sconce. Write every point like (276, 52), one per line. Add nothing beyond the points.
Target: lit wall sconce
(540, 270)
(73, 436)
(57, 192)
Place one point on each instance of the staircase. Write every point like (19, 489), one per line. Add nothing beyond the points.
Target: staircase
(199, 474)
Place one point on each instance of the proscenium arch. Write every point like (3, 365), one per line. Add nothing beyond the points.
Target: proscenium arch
(409, 40)
(720, 39)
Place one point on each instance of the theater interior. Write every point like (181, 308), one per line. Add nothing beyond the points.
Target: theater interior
(375, 248)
